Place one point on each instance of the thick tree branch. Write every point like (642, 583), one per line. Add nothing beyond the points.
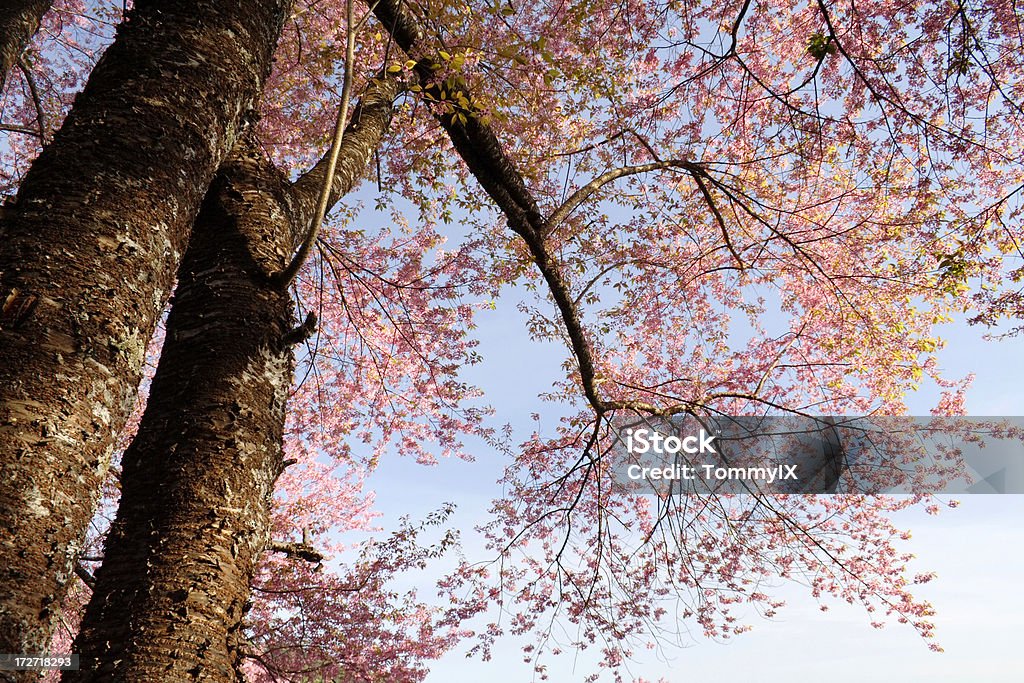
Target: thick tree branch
(350, 151)
(479, 147)
(370, 119)
(19, 21)
(474, 141)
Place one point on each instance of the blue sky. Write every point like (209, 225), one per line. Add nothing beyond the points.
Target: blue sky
(977, 551)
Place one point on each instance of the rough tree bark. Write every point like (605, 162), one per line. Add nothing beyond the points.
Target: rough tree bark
(88, 252)
(170, 596)
(19, 21)
(197, 478)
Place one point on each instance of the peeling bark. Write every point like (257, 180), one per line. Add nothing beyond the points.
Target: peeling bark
(197, 480)
(19, 21)
(88, 252)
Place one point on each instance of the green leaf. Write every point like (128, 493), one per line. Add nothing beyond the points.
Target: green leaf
(820, 46)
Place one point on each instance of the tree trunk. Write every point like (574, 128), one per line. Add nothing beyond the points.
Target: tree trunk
(197, 479)
(19, 21)
(88, 252)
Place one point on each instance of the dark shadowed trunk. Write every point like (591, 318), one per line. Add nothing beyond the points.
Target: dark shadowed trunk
(19, 21)
(197, 479)
(88, 252)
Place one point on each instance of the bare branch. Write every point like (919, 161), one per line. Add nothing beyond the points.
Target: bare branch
(584, 193)
(25, 130)
(36, 100)
(718, 215)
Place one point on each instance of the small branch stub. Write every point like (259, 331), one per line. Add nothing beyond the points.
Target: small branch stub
(302, 551)
(87, 578)
(302, 332)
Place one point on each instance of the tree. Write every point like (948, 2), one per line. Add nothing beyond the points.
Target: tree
(814, 152)
(91, 242)
(181, 575)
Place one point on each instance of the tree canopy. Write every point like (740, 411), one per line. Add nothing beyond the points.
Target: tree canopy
(733, 208)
